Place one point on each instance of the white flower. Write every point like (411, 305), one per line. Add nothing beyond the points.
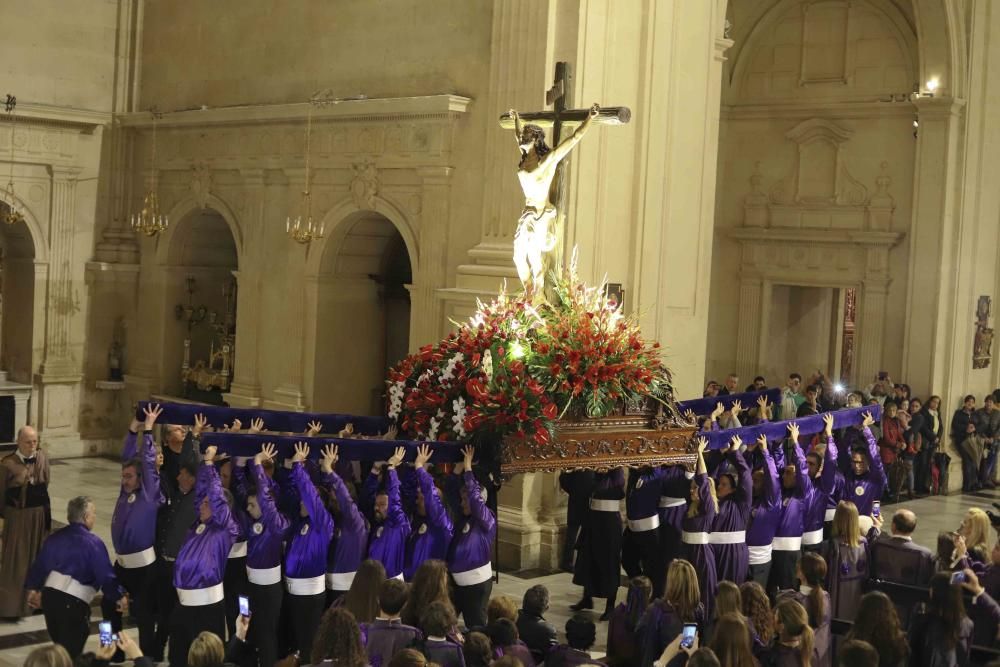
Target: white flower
(395, 399)
(449, 370)
(488, 365)
(458, 405)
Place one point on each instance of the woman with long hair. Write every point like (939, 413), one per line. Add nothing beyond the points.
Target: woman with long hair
(846, 554)
(816, 602)
(624, 620)
(702, 508)
(877, 623)
(975, 529)
(757, 610)
(362, 598)
(731, 642)
(338, 640)
(665, 618)
(941, 632)
(430, 584)
(793, 646)
(729, 600)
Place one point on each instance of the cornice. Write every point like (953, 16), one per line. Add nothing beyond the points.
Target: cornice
(433, 107)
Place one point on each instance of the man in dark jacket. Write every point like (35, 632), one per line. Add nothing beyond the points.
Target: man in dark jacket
(960, 431)
(537, 633)
(579, 484)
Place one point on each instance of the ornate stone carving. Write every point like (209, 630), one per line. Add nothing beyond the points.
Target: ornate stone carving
(201, 182)
(365, 184)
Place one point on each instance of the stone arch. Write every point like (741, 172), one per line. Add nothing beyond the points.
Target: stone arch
(35, 231)
(336, 231)
(183, 209)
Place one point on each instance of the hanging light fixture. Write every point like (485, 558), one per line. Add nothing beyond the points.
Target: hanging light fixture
(149, 220)
(13, 214)
(301, 228)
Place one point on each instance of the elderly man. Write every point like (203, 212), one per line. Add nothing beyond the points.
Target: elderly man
(71, 567)
(897, 558)
(24, 505)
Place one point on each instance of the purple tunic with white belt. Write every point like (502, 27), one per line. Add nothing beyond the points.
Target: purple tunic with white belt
(470, 555)
(696, 549)
(266, 535)
(788, 537)
(728, 534)
(642, 502)
(305, 562)
(75, 561)
(350, 543)
(430, 535)
(388, 539)
(201, 562)
(765, 513)
(824, 485)
(133, 524)
(863, 490)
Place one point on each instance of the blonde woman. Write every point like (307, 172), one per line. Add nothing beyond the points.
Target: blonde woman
(847, 558)
(665, 617)
(794, 643)
(695, 529)
(975, 529)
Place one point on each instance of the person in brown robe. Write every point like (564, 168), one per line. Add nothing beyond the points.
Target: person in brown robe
(24, 505)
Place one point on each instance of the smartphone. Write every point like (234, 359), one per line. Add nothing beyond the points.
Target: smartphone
(244, 606)
(687, 638)
(104, 630)
(877, 508)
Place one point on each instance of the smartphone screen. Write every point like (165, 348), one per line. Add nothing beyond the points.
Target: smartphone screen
(687, 639)
(958, 577)
(877, 508)
(244, 605)
(104, 630)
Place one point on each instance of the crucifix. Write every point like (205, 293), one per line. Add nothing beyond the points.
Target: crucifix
(540, 174)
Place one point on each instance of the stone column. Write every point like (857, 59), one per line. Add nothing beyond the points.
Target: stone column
(245, 388)
(60, 372)
(425, 307)
(751, 326)
(870, 330)
(289, 393)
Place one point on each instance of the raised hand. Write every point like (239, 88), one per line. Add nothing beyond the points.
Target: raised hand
(391, 433)
(736, 408)
(152, 416)
(735, 443)
(828, 424)
(236, 426)
(200, 422)
(867, 420)
(315, 428)
(256, 425)
(793, 432)
(702, 444)
(210, 453)
(266, 453)
(468, 452)
(764, 407)
(330, 456)
(719, 409)
(690, 415)
(423, 456)
(762, 442)
(301, 452)
(397, 457)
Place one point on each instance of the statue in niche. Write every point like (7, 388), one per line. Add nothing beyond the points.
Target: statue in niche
(535, 236)
(983, 340)
(364, 185)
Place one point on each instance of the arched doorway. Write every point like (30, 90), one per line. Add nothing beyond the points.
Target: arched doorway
(363, 315)
(17, 301)
(200, 293)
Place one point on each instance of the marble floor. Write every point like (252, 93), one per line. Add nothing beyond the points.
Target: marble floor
(99, 478)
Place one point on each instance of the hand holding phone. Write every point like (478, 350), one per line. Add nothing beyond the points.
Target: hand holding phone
(688, 635)
(877, 508)
(958, 577)
(104, 632)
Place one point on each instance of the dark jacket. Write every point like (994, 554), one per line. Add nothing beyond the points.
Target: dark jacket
(538, 634)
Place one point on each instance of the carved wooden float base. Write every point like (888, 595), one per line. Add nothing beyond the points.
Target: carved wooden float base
(594, 444)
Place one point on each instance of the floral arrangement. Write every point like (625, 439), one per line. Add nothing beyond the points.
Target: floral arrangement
(518, 366)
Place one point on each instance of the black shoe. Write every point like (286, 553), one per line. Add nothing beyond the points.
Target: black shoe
(585, 603)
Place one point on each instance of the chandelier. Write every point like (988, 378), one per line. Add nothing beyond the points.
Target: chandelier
(301, 228)
(149, 220)
(13, 214)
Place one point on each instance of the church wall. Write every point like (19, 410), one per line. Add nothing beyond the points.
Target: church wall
(764, 100)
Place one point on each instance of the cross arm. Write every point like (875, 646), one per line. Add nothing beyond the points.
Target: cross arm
(606, 116)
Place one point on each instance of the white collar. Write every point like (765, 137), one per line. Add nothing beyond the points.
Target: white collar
(432, 638)
(805, 590)
(394, 619)
(23, 457)
(906, 538)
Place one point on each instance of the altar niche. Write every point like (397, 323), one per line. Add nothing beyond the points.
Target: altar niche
(17, 298)
(199, 292)
(362, 314)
